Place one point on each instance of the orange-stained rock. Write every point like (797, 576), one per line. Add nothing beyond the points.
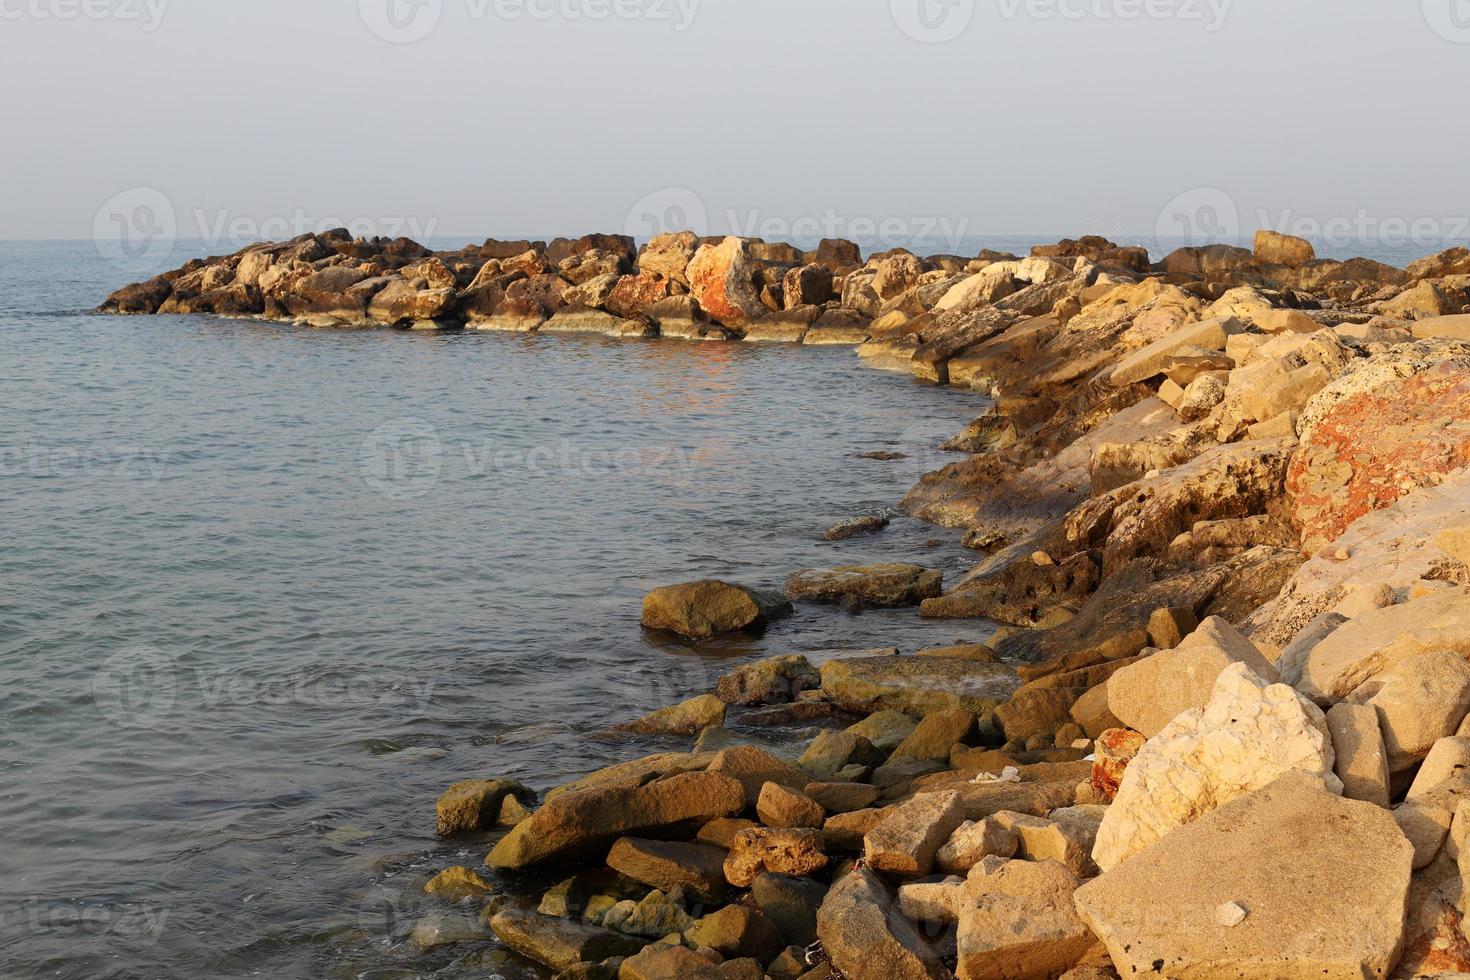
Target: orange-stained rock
(721, 279)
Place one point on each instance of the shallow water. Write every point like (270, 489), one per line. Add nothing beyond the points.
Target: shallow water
(267, 591)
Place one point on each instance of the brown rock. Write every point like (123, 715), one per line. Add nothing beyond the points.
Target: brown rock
(1274, 248)
(721, 279)
(776, 680)
(699, 610)
(936, 735)
(666, 865)
(865, 934)
(1020, 923)
(475, 804)
(794, 851)
(905, 842)
(843, 797)
(780, 807)
(559, 943)
(874, 585)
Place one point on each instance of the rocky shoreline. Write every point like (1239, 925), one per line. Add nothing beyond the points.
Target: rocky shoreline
(1220, 507)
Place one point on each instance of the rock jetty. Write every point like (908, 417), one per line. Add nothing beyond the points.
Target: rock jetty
(1220, 505)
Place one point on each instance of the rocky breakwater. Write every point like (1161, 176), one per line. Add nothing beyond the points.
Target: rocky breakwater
(1219, 504)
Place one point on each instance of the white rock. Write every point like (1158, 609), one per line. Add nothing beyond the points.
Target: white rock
(1230, 915)
(1250, 733)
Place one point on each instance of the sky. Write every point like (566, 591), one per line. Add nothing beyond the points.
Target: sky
(245, 119)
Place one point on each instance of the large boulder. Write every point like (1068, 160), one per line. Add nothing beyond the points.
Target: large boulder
(1377, 434)
(1274, 248)
(1147, 695)
(1017, 921)
(1240, 892)
(1154, 358)
(864, 933)
(1419, 701)
(699, 610)
(1250, 733)
(559, 943)
(721, 277)
(905, 843)
(585, 822)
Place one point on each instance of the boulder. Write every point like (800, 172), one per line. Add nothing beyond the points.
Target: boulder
(843, 797)
(689, 718)
(1357, 742)
(1153, 359)
(475, 805)
(864, 933)
(737, 931)
(791, 904)
(1274, 248)
(721, 278)
(1248, 734)
(855, 527)
(873, 585)
(775, 680)
(1377, 434)
(698, 869)
(1359, 650)
(1146, 696)
(633, 296)
(753, 768)
(791, 851)
(972, 842)
(457, 884)
(580, 823)
(1114, 749)
(1069, 843)
(559, 943)
(699, 610)
(668, 255)
(831, 752)
(1019, 922)
(885, 729)
(1419, 701)
(779, 807)
(916, 685)
(905, 842)
(662, 963)
(807, 285)
(1159, 913)
(936, 735)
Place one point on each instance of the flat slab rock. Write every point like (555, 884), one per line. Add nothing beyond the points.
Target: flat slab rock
(873, 585)
(919, 685)
(1323, 882)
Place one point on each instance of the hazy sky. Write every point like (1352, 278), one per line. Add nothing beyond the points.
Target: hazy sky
(544, 117)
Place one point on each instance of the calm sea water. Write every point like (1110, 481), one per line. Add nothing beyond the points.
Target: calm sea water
(266, 591)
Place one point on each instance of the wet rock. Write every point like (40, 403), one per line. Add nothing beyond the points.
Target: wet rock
(456, 885)
(1020, 922)
(721, 279)
(775, 680)
(1157, 913)
(689, 718)
(446, 929)
(780, 807)
(1418, 701)
(737, 931)
(558, 943)
(699, 610)
(753, 768)
(1248, 734)
(972, 842)
(574, 824)
(885, 729)
(580, 319)
(905, 842)
(794, 851)
(785, 327)
(656, 915)
(874, 585)
(864, 933)
(919, 685)
(476, 804)
(1151, 693)
(697, 869)
(856, 527)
